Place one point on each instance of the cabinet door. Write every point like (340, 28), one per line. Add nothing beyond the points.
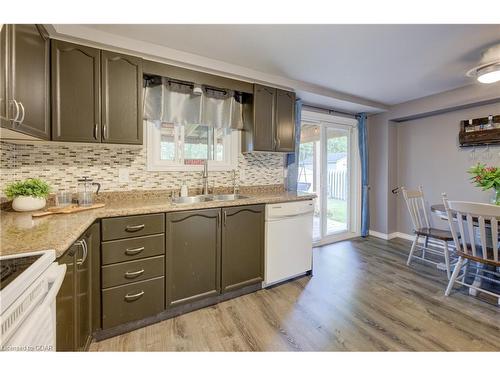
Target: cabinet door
(66, 305)
(285, 121)
(263, 118)
(121, 98)
(193, 256)
(242, 246)
(94, 247)
(28, 79)
(84, 291)
(76, 113)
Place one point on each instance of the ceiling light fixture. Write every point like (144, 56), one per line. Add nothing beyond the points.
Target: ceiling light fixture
(489, 74)
(489, 70)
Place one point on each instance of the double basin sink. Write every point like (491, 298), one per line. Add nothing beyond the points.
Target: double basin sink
(207, 198)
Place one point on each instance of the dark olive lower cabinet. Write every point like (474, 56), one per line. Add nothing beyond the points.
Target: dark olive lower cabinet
(131, 271)
(66, 304)
(242, 246)
(135, 301)
(192, 256)
(132, 268)
(74, 300)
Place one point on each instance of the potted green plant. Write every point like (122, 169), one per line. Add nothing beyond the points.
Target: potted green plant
(28, 195)
(487, 178)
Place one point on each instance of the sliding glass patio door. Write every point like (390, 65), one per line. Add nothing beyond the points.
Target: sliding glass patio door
(327, 167)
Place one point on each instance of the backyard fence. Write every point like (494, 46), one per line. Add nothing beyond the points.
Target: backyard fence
(337, 184)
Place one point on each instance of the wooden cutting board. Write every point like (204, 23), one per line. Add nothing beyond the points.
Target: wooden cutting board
(66, 210)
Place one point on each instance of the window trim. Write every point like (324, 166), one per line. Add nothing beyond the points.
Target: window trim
(154, 164)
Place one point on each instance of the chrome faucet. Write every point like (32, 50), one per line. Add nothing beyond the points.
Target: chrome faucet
(205, 177)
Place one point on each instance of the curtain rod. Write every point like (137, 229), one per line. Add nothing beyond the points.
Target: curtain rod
(328, 110)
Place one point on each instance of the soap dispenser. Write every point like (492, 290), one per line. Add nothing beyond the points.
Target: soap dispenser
(184, 189)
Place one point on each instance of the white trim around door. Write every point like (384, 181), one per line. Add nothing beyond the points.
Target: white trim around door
(326, 122)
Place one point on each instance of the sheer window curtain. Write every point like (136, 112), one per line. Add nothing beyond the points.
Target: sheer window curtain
(292, 159)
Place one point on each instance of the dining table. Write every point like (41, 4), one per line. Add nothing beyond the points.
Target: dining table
(440, 211)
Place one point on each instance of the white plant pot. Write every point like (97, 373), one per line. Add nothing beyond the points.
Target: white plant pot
(28, 203)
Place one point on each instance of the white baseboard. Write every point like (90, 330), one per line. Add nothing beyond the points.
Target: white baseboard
(381, 235)
(405, 236)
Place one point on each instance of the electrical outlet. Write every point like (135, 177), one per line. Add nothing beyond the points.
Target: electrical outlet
(123, 175)
(285, 172)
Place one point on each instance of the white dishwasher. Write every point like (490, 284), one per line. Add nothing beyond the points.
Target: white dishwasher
(288, 250)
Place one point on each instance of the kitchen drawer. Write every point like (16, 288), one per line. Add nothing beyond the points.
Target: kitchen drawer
(132, 249)
(133, 271)
(132, 226)
(131, 302)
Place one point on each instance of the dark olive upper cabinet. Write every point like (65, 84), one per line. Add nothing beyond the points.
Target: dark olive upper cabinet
(96, 95)
(192, 255)
(264, 126)
(285, 121)
(242, 246)
(121, 98)
(270, 124)
(76, 113)
(24, 87)
(74, 300)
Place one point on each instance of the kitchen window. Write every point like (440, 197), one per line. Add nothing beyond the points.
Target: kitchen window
(185, 147)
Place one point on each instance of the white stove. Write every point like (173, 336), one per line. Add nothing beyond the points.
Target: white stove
(29, 284)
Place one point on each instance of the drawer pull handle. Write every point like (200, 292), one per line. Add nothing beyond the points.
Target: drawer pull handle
(134, 228)
(133, 297)
(134, 251)
(133, 274)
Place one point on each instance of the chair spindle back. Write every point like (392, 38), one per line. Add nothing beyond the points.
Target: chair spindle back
(471, 215)
(416, 206)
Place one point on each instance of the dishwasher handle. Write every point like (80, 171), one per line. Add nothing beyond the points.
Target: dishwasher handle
(289, 216)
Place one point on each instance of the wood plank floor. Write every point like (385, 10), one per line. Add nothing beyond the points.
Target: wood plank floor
(362, 297)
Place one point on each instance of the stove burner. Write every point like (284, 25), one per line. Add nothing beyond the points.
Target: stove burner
(13, 267)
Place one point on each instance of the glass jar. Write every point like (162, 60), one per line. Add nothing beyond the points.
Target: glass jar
(496, 196)
(85, 191)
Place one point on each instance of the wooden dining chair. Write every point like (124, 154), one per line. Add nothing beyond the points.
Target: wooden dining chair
(475, 221)
(422, 229)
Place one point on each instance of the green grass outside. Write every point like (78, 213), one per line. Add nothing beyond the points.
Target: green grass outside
(336, 210)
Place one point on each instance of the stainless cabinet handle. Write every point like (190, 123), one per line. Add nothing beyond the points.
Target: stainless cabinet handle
(133, 297)
(134, 228)
(17, 110)
(134, 251)
(85, 250)
(23, 113)
(96, 128)
(224, 217)
(104, 131)
(133, 274)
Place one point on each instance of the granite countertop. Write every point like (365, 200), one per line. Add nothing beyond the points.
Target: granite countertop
(20, 233)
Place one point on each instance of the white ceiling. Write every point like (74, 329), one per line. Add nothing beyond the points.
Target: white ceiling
(388, 64)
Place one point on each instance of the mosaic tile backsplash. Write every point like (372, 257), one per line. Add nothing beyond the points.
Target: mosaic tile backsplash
(62, 164)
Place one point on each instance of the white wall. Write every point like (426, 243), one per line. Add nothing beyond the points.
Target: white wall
(428, 154)
(430, 129)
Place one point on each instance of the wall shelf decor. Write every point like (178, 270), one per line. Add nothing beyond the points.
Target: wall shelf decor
(480, 131)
